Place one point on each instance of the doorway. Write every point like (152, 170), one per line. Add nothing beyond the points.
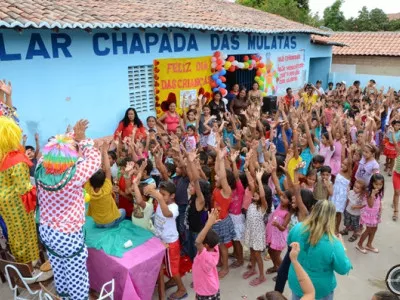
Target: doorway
(242, 77)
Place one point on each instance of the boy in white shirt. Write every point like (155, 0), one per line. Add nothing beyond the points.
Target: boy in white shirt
(165, 228)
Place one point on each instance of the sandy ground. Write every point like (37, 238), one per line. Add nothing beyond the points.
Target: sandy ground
(366, 278)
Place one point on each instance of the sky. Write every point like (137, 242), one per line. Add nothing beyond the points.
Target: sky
(350, 8)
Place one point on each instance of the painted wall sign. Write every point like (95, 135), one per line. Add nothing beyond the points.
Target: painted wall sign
(290, 67)
(183, 77)
(55, 45)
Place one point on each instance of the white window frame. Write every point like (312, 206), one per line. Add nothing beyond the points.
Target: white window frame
(141, 88)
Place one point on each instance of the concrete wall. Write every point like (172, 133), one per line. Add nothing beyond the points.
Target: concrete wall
(60, 77)
(374, 65)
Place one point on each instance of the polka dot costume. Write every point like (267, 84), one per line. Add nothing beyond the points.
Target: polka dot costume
(67, 255)
(15, 182)
(62, 215)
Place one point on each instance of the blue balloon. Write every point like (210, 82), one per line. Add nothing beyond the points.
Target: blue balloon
(222, 72)
(215, 90)
(222, 85)
(219, 81)
(215, 76)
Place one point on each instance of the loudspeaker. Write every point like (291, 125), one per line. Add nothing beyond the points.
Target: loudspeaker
(269, 104)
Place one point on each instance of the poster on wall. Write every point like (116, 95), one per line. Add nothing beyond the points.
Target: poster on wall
(180, 81)
(285, 69)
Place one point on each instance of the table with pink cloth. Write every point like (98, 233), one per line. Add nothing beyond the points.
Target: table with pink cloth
(135, 274)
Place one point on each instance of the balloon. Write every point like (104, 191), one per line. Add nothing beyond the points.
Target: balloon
(213, 65)
(245, 58)
(227, 65)
(246, 65)
(260, 65)
(223, 79)
(232, 69)
(222, 72)
(222, 85)
(241, 65)
(258, 73)
(253, 57)
(219, 68)
(213, 59)
(215, 90)
(250, 62)
(218, 81)
(235, 63)
(264, 94)
(219, 61)
(214, 77)
(257, 78)
(223, 91)
(225, 56)
(213, 84)
(217, 53)
(231, 58)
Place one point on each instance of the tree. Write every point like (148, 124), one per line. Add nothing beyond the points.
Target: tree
(378, 20)
(334, 17)
(295, 10)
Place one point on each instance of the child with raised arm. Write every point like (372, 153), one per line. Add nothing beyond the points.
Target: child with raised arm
(102, 206)
(165, 228)
(205, 273)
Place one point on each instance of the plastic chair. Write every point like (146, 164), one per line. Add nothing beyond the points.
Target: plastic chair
(104, 294)
(18, 276)
(45, 294)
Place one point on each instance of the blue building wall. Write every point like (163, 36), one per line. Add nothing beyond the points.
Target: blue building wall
(349, 78)
(60, 77)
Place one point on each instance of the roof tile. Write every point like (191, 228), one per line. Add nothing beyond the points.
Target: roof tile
(364, 43)
(215, 15)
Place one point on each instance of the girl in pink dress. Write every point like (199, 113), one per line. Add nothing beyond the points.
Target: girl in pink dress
(371, 213)
(277, 230)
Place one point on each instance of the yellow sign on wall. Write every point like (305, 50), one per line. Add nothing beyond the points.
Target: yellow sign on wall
(180, 80)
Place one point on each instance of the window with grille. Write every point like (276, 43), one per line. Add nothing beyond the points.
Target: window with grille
(141, 88)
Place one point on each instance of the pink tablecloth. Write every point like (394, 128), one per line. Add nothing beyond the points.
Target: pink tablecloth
(135, 274)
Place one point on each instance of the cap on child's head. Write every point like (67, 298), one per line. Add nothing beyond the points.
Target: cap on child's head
(211, 239)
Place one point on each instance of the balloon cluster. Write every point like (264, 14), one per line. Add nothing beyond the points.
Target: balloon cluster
(221, 63)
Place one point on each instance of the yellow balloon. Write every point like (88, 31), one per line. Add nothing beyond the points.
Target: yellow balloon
(246, 65)
(257, 78)
(227, 65)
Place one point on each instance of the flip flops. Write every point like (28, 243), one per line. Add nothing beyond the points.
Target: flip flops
(353, 238)
(248, 274)
(257, 281)
(362, 250)
(372, 249)
(173, 297)
(271, 270)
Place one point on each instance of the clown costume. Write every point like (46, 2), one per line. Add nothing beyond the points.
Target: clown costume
(60, 175)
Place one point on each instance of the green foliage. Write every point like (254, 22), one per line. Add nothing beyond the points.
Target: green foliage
(295, 10)
(334, 17)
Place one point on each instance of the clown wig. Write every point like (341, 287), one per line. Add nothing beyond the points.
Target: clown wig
(59, 154)
(10, 137)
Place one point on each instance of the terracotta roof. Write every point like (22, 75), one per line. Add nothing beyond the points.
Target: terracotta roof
(367, 43)
(324, 40)
(395, 16)
(214, 15)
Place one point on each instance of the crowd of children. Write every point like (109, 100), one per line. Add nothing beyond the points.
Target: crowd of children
(228, 172)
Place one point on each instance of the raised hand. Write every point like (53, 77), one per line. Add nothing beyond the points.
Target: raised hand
(80, 130)
(234, 156)
(294, 253)
(213, 216)
(259, 174)
(6, 88)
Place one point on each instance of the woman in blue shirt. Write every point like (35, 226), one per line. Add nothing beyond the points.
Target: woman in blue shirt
(322, 253)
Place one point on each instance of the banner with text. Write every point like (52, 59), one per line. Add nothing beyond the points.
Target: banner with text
(180, 80)
(290, 69)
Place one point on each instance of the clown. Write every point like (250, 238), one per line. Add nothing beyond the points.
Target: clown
(60, 175)
(269, 77)
(17, 195)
